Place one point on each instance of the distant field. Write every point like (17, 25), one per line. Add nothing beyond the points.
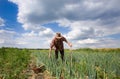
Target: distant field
(79, 64)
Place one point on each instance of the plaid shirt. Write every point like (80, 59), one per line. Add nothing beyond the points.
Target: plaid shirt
(57, 42)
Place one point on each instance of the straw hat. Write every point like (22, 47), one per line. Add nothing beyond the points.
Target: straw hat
(58, 34)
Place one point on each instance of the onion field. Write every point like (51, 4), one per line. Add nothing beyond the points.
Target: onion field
(79, 64)
(82, 64)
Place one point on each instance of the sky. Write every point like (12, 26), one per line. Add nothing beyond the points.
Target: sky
(84, 23)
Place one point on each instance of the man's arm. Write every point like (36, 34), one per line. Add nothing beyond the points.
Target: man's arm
(50, 50)
(67, 42)
(51, 46)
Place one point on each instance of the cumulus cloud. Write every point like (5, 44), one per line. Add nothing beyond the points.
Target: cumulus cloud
(87, 41)
(35, 40)
(7, 38)
(2, 22)
(31, 39)
(87, 20)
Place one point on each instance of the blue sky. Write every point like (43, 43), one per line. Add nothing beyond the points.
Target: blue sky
(9, 11)
(85, 23)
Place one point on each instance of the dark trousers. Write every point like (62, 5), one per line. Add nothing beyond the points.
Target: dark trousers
(61, 52)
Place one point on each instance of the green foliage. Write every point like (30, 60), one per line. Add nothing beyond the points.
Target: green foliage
(13, 62)
(79, 64)
(91, 63)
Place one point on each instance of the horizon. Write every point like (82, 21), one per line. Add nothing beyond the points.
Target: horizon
(85, 23)
(64, 48)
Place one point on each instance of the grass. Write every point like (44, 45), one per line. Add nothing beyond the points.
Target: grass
(13, 62)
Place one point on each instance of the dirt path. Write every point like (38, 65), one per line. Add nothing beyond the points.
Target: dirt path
(37, 72)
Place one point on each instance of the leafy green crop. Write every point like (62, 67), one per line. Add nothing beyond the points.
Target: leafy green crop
(83, 64)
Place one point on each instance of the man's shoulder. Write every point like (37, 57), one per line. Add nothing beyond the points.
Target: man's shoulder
(57, 38)
(63, 37)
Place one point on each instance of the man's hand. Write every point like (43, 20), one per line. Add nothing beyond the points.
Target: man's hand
(70, 44)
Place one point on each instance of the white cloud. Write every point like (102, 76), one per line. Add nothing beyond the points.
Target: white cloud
(25, 40)
(46, 11)
(92, 4)
(21, 42)
(97, 43)
(2, 22)
(46, 33)
(107, 43)
(33, 40)
(87, 20)
(88, 29)
(87, 41)
(31, 34)
(1, 41)
(36, 39)
(7, 38)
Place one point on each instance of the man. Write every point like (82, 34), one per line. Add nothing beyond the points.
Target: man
(57, 43)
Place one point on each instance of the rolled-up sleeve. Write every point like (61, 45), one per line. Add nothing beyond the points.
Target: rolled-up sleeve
(64, 39)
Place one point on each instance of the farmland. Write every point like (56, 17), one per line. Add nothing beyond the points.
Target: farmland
(13, 62)
(83, 64)
(79, 64)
